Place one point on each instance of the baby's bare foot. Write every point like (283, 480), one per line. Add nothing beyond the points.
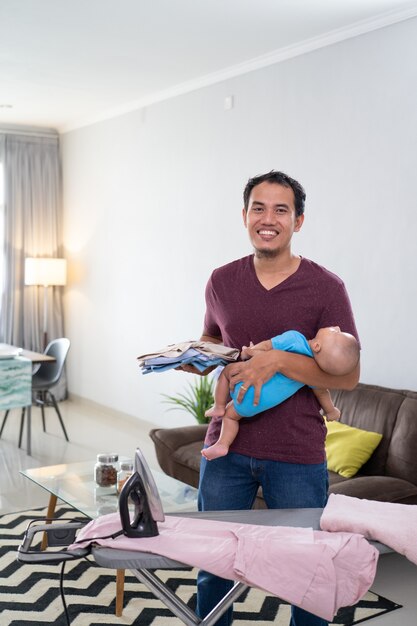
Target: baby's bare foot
(216, 411)
(215, 451)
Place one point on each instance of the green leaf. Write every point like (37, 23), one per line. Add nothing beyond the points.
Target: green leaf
(197, 399)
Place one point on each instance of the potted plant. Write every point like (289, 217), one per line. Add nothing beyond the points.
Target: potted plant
(197, 398)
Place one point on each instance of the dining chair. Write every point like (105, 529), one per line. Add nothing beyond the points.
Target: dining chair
(46, 376)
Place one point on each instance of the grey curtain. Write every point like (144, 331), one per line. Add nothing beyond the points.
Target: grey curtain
(32, 228)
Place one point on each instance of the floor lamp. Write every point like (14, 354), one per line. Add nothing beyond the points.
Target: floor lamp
(46, 272)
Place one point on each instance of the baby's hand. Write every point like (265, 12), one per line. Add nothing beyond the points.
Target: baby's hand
(247, 352)
(332, 416)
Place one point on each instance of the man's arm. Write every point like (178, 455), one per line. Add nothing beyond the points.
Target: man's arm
(262, 366)
(205, 337)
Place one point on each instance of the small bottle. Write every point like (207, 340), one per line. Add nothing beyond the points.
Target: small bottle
(105, 470)
(125, 472)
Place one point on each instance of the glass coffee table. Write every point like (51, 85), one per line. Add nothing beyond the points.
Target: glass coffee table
(74, 484)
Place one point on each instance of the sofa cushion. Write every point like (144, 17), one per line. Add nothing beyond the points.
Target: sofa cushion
(189, 456)
(372, 408)
(402, 453)
(348, 448)
(380, 488)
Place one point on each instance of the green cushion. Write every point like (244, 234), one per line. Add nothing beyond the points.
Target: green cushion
(348, 448)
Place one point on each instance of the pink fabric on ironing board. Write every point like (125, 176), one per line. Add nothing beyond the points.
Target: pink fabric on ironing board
(317, 571)
(395, 525)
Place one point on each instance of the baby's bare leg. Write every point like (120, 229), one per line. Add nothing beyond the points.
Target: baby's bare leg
(221, 396)
(229, 430)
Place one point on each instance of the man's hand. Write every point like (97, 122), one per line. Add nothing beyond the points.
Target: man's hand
(193, 370)
(253, 373)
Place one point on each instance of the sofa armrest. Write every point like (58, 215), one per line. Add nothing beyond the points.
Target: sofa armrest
(174, 438)
(178, 451)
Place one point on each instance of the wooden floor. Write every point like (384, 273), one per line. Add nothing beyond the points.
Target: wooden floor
(92, 430)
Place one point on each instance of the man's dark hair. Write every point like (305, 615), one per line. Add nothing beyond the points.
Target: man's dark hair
(277, 178)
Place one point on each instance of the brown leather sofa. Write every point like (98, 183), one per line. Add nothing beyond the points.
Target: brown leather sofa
(390, 475)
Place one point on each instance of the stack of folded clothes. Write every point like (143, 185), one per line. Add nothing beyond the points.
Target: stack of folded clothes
(201, 354)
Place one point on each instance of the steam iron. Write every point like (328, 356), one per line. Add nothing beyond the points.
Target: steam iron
(140, 489)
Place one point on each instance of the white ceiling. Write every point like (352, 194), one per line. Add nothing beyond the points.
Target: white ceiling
(67, 63)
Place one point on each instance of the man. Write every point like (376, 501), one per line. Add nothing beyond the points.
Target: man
(249, 300)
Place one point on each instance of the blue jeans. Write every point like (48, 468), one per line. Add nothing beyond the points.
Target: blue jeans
(231, 483)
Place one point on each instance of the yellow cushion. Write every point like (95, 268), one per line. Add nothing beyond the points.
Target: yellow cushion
(348, 448)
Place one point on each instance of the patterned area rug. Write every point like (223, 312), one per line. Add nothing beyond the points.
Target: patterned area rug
(29, 594)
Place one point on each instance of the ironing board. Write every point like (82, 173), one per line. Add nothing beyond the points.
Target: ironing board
(142, 489)
(140, 563)
(62, 533)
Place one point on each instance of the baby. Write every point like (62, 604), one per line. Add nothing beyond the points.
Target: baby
(335, 353)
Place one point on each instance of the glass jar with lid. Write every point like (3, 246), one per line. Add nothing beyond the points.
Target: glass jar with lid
(105, 470)
(125, 472)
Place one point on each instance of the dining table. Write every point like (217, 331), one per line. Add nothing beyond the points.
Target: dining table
(35, 357)
(16, 368)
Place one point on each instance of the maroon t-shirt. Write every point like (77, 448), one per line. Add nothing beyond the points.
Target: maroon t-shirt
(241, 310)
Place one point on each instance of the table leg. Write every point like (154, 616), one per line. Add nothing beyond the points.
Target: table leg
(28, 430)
(120, 590)
(50, 513)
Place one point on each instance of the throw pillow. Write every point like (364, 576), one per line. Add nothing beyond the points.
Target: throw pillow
(348, 448)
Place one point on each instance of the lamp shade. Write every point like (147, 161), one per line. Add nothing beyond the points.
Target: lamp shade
(45, 271)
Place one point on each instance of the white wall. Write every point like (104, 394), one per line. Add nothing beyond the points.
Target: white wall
(153, 204)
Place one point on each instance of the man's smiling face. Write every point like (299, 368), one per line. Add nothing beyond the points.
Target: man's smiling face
(271, 219)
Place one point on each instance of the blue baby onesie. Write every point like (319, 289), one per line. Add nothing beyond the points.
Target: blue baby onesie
(279, 388)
